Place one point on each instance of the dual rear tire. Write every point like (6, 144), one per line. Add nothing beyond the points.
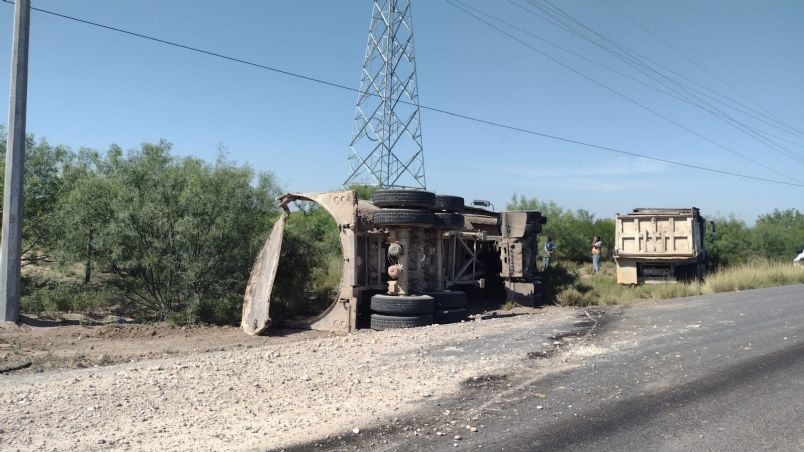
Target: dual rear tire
(408, 311)
(418, 209)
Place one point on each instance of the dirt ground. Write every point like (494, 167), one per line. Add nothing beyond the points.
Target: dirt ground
(73, 341)
(121, 386)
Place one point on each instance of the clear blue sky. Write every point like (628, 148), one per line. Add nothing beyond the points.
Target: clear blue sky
(90, 87)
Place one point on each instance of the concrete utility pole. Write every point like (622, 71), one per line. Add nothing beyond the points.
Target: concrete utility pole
(11, 241)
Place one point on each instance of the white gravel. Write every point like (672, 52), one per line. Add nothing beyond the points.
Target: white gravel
(268, 396)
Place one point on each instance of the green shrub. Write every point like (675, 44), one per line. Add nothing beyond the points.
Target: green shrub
(53, 296)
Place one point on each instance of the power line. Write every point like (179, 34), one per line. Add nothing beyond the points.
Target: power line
(620, 94)
(644, 65)
(433, 109)
(704, 69)
(760, 135)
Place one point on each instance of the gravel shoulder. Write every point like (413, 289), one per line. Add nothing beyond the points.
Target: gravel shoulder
(210, 388)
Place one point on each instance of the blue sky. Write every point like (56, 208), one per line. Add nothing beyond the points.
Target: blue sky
(90, 87)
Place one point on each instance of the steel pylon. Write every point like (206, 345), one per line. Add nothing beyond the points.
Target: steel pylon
(386, 146)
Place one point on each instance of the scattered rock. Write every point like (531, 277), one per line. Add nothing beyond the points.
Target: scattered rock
(183, 392)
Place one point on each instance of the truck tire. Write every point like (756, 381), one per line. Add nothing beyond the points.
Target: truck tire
(388, 322)
(448, 220)
(402, 305)
(450, 315)
(404, 217)
(447, 203)
(449, 299)
(411, 199)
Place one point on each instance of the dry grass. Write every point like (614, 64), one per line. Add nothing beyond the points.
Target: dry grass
(754, 275)
(602, 289)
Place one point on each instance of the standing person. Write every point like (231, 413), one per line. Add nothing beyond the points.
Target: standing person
(596, 246)
(549, 247)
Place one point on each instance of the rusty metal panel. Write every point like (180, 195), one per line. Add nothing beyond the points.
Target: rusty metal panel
(257, 299)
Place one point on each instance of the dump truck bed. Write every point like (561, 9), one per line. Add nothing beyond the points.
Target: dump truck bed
(657, 237)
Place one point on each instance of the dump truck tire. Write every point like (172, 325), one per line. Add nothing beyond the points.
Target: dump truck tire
(402, 305)
(448, 220)
(450, 315)
(411, 199)
(447, 203)
(404, 217)
(388, 322)
(449, 299)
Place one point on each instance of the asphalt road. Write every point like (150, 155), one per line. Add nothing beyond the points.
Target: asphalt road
(719, 372)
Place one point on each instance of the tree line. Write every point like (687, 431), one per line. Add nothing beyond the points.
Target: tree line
(165, 237)
(775, 236)
(170, 237)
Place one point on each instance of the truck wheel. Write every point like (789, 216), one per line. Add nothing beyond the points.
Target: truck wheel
(388, 322)
(449, 299)
(402, 305)
(447, 220)
(404, 217)
(448, 203)
(450, 315)
(411, 199)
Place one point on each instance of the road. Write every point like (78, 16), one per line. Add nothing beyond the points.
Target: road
(715, 372)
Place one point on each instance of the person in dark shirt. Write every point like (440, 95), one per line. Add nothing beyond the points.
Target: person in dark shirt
(549, 248)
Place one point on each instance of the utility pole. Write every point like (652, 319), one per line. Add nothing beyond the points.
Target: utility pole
(11, 241)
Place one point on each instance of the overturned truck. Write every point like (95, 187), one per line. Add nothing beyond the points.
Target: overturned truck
(409, 259)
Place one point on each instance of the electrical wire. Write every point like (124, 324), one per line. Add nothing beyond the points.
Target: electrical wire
(622, 95)
(433, 109)
(766, 114)
(645, 65)
(671, 92)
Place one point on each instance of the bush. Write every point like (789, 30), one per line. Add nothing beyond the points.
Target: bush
(184, 233)
(572, 231)
(54, 296)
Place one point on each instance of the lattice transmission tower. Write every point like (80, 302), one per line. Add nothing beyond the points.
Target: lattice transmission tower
(386, 147)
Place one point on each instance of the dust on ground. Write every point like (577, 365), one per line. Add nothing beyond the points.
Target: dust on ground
(119, 386)
(77, 341)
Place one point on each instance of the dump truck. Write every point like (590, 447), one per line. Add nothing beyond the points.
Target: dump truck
(409, 259)
(655, 245)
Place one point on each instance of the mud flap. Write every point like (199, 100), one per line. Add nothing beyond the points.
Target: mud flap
(257, 299)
